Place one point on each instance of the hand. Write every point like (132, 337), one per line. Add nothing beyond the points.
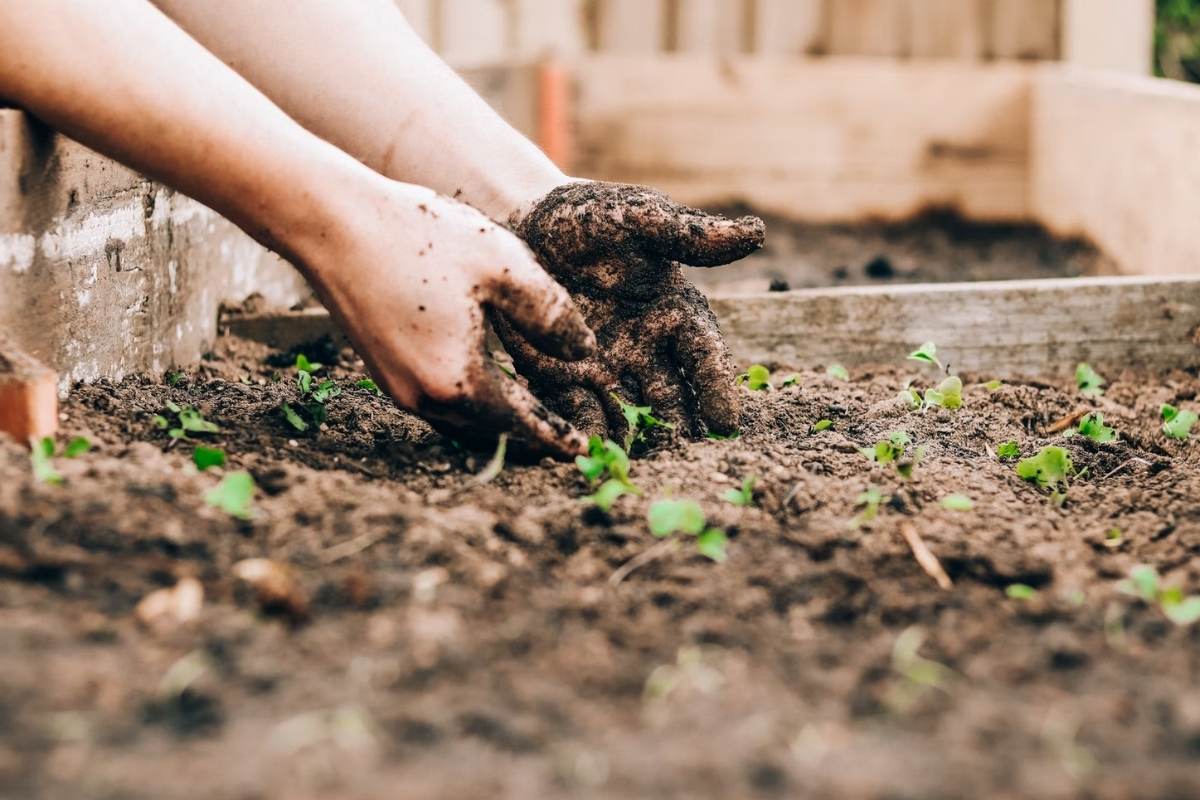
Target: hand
(407, 273)
(618, 249)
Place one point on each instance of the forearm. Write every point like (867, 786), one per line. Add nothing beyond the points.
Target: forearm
(356, 74)
(122, 78)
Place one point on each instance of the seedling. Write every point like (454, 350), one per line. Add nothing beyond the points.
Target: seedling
(888, 450)
(1020, 591)
(207, 457)
(304, 365)
(41, 456)
(790, 380)
(822, 425)
(234, 495)
(1113, 538)
(495, 465)
(188, 420)
(744, 496)
(313, 411)
(837, 371)
(993, 386)
(926, 353)
(723, 437)
(609, 491)
(909, 398)
(757, 378)
(639, 420)
(1092, 426)
(870, 502)
(1089, 381)
(1177, 422)
(368, 384)
(917, 673)
(957, 502)
(174, 378)
(1143, 582)
(948, 394)
(1049, 469)
(1008, 450)
(604, 456)
(668, 517)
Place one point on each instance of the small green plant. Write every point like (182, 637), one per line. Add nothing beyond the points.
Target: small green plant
(1177, 422)
(837, 371)
(370, 385)
(208, 457)
(304, 365)
(1144, 583)
(917, 674)
(821, 425)
(604, 456)
(744, 496)
(608, 492)
(668, 517)
(790, 380)
(926, 353)
(315, 395)
(189, 420)
(1008, 450)
(1092, 426)
(1020, 591)
(869, 502)
(1113, 538)
(42, 452)
(1050, 469)
(757, 378)
(638, 421)
(1089, 381)
(888, 450)
(174, 378)
(948, 394)
(723, 437)
(234, 495)
(957, 502)
(993, 385)
(909, 398)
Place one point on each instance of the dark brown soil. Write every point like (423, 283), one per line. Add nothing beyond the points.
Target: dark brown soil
(466, 640)
(935, 247)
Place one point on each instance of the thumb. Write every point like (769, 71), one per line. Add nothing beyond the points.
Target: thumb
(542, 310)
(692, 237)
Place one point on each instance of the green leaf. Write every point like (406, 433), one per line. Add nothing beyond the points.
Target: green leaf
(604, 455)
(77, 447)
(161, 422)
(1009, 449)
(723, 437)
(1092, 426)
(304, 365)
(1184, 611)
(205, 457)
(837, 371)
(173, 407)
(870, 502)
(822, 425)
(712, 543)
(234, 495)
(666, 517)
(1050, 468)
(174, 378)
(1113, 538)
(304, 382)
(293, 417)
(957, 502)
(638, 420)
(790, 380)
(742, 497)
(192, 421)
(1089, 381)
(1142, 582)
(993, 386)
(41, 455)
(927, 353)
(756, 378)
(1020, 591)
(906, 466)
(948, 394)
(1177, 423)
(607, 494)
(909, 398)
(325, 391)
(177, 433)
(369, 385)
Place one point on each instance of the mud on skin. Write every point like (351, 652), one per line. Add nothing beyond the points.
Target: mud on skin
(466, 641)
(618, 249)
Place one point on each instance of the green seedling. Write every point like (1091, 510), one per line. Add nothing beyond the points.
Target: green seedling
(315, 396)
(188, 420)
(1092, 426)
(1177, 422)
(723, 437)
(790, 380)
(208, 457)
(926, 353)
(993, 386)
(909, 398)
(370, 385)
(1144, 583)
(42, 452)
(893, 451)
(234, 495)
(870, 502)
(757, 378)
(638, 421)
(604, 456)
(174, 378)
(1008, 450)
(957, 502)
(304, 365)
(837, 371)
(495, 465)
(917, 674)
(744, 496)
(948, 394)
(822, 425)
(608, 492)
(1113, 538)
(1020, 591)
(1050, 469)
(668, 517)
(1089, 381)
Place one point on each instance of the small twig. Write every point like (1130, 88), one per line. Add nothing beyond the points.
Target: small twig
(925, 557)
(1060, 425)
(642, 559)
(352, 547)
(1126, 464)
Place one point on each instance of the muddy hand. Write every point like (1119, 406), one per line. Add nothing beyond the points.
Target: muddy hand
(618, 250)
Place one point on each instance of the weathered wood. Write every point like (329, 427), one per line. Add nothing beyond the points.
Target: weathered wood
(1109, 34)
(1023, 29)
(946, 28)
(868, 27)
(630, 26)
(1115, 159)
(1039, 328)
(788, 27)
(1006, 329)
(819, 139)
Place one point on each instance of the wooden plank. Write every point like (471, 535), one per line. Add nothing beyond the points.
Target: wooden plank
(630, 26)
(419, 14)
(1023, 29)
(709, 26)
(1114, 159)
(868, 27)
(1003, 329)
(819, 139)
(548, 28)
(789, 27)
(946, 28)
(473, 32)
(1109, 34)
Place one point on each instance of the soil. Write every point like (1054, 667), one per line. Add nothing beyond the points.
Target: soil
(446, 637)
(934, 247)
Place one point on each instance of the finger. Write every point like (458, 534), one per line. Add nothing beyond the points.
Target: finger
(693, 237)
(536, 426)
(701, 353)
(662, 391)
(542, 310)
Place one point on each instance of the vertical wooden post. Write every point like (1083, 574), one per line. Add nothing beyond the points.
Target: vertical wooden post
(28, 396)
(554, 112)
(1109, 34)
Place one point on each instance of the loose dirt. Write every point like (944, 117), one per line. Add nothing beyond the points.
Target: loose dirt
(460, 640)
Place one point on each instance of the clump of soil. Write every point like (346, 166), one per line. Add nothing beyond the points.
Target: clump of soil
(934, 247)
(465, 640)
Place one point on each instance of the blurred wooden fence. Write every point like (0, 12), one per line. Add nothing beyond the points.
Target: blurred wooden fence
(472, 32)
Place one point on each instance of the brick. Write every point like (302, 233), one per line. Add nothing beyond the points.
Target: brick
(28, 396)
